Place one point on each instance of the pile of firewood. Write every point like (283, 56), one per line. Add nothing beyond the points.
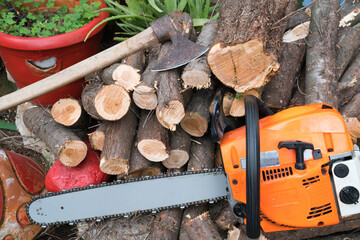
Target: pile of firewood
(149, 122)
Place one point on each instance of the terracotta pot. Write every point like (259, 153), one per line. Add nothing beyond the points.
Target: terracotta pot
(28, 60)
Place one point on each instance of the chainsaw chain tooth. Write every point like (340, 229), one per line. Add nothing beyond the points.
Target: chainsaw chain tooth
(116, 182)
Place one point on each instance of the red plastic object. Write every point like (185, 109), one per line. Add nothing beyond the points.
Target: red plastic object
(87, 172)
(17, 54)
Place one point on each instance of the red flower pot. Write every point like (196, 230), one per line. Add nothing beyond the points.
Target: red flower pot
(21, 55)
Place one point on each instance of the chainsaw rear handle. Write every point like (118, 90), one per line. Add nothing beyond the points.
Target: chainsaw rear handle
(252, 167)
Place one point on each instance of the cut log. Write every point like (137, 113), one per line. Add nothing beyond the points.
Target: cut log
(105, 102)
(197, 73)
(228, 99)
(166, 225)
(351, 109)
(226, 219)
(197, 114)
(277, 93)
(180, 143)
(119, 136)
(347, 44)
(202, 228)
(87, 172)
(170, 110)
(202, 154)
(97, 137)
(149, 79)
(247, 43)
(125, 74)
(298, 98)
(353, 127)
(153, 139)
(147, 101)
(190, 213)
(67, 146)
(297, 19)
(349, 13)
(349, 84)
(69, 112)
(238, 105)
(320, 78)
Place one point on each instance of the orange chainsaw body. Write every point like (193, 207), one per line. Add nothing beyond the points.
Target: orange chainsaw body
(291, 198)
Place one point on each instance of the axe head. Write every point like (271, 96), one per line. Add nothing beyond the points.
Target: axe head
(182, 50)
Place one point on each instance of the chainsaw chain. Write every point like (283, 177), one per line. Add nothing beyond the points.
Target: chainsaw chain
(145, 178)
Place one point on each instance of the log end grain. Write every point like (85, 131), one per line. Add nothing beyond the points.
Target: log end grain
(66, 111)
(196, 79)
(177, 159)
(194, 124)
(146, 101)
(126, 76)
(153, 150)
(112, 102)
(299, 32)
(114, 166)
(353, 126)
(171, 114)
(242, 66)
(96, 139)
(72, 153)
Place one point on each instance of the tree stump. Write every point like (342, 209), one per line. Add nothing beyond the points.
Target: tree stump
(248, 42)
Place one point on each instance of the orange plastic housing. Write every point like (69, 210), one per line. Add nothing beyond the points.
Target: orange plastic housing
(291, 198)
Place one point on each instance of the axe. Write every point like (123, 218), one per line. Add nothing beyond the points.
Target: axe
(181, 52)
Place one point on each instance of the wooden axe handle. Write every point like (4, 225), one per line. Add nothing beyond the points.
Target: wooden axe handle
(140, 41)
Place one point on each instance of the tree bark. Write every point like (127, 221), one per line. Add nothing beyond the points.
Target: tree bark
(351, 109)
(350, 13)
(202, 228)
(197, 73)
(347, 44)
(105, 102)
(197, 116)
(97, 137)
(202, 154)
(248, 42)
(180, 143)
(153, 139)
(67, 146)
(119, 137)
(320, 78)
(297, 19)
(349, 84)
(226, 219)
(298, 97)
(277, 93)
(166, 225)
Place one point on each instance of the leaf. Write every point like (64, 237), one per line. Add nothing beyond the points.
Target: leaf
(182, 4)
(153, 4)
(7, 126)
(199, 22)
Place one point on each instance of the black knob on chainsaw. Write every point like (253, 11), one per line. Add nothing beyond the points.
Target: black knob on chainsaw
(299, 148)
(349, 195)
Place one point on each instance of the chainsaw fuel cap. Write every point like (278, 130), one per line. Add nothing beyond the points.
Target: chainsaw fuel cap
(341, 170)
(349, 195)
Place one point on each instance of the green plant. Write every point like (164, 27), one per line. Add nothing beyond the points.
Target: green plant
(18, 19)
(138, 14)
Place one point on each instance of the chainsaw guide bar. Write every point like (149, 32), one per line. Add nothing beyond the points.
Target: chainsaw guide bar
(128, 197)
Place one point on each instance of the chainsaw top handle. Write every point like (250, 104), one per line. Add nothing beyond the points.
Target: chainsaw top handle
(252, 167)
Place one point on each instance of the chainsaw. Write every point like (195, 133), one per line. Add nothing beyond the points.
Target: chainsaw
(299, 162)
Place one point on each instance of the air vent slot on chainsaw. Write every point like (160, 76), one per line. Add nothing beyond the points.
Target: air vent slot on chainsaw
(275, 173)
(308, 181)
(319, 211)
